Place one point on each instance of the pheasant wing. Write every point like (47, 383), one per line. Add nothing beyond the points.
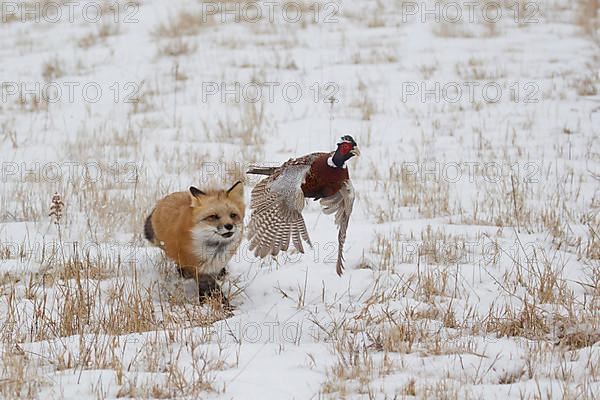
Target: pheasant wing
(277, 203)
(341, 204)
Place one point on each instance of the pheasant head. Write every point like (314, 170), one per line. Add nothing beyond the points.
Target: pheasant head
(346, 149)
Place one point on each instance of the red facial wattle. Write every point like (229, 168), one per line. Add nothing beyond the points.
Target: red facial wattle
(345, 148)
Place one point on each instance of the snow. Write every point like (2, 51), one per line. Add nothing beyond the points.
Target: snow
(473, 246)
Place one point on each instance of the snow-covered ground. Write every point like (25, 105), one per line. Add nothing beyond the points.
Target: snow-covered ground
(473, 253)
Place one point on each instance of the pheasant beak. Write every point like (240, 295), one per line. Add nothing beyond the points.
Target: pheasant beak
(355, 151)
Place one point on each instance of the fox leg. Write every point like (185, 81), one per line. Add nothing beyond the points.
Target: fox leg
(209, 287)
(207, 284)
(187, 272)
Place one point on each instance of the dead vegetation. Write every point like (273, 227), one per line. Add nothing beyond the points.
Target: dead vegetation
(184, 23)
(588, 17)
(474, 282)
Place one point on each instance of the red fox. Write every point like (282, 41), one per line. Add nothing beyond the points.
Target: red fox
(200, 231)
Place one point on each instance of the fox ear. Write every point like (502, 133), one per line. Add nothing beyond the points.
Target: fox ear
(237, 190)
(196, 192)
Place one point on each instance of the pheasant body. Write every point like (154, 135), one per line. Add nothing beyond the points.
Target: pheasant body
(322, 180)
(278, 200)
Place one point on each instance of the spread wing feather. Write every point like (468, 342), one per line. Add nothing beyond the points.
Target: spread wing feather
(277, 202)
(341, 204)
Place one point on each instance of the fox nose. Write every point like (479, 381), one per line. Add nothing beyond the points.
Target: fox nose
(228, 227)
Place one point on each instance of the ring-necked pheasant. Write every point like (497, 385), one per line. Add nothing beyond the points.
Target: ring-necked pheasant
(277, 201)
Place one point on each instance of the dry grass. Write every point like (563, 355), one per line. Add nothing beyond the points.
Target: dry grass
(52, 70)
(100, 299)
(246, 129)
(20, 379)
(440, 310)
(367, 342)
(176, 47)
(403, 186)
(100, 295)
(174, 37)
(374, 56)
(588, 84)
(184, 23)
(104, 29)
(588, 17)
(478, 70)
(9, 132)
(31, 102)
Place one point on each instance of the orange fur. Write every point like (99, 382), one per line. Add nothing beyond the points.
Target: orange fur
(190, 229)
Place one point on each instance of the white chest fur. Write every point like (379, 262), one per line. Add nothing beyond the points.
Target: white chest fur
(212, 250)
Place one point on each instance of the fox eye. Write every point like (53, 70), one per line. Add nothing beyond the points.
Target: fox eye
(233, 216)
(213, 217)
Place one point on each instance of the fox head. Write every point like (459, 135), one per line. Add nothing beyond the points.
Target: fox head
(218, 215)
